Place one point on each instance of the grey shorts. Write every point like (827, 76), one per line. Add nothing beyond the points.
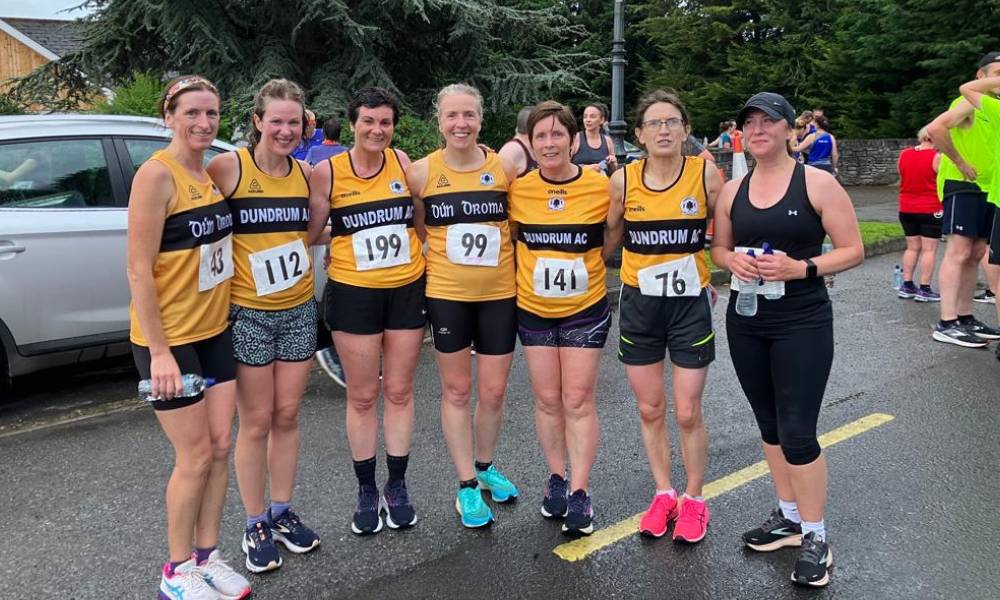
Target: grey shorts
(261, 337)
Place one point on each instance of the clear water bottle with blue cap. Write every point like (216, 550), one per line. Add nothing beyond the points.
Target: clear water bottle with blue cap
(828, 247)
(193, 385)
(746, 301)
(897, 278)
(770, 292)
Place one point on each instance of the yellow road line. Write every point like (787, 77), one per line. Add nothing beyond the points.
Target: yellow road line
(583, 547)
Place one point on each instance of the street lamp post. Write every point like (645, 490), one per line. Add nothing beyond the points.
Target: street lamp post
(617, 126)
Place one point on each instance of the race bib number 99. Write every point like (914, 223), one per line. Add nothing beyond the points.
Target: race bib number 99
(381, 247)
(560, 278)
(215, 264)
(674, 279)
(279, 268)
(477, 245)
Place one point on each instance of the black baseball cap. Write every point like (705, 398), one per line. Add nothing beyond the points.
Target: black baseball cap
(989, 59)
(772, 104)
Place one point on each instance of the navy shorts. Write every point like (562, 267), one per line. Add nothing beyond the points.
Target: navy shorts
(966, 210)
(585, 329)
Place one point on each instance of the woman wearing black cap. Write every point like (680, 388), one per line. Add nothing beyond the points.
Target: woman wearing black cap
(783, 353)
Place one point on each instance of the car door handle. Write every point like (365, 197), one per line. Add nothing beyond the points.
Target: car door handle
(11, 248)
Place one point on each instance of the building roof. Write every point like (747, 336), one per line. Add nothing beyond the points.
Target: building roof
(60, 37)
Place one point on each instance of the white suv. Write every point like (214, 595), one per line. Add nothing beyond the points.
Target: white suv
(64, 186)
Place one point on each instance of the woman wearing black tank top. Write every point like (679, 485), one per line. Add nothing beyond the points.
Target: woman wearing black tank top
(783, 354)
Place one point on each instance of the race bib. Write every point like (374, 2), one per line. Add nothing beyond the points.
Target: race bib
(381, 247)
(772, 289)
(279, 268)
(216, 263)
(477, 245)
(674, 279)
(560, 278)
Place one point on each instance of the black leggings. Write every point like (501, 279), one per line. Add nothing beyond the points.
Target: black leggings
(784, 372)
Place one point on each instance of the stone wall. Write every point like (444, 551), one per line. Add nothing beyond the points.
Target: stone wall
(862, 162)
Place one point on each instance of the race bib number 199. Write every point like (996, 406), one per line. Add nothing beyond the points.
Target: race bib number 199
(279, 268)
(560, 278)
(381, 247)
(215, 264)
(674, 279)
(477, 245)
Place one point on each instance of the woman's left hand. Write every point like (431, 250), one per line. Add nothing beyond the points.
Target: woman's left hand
(780, 267)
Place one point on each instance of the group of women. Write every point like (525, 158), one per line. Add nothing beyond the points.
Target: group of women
(221, 285)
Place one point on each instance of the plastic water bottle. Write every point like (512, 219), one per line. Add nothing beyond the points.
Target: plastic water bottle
(770, 292)
(193, 385)
(746, 301)
(828, 279)
(897, 278)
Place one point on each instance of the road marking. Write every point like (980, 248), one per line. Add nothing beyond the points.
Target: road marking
(602, 538)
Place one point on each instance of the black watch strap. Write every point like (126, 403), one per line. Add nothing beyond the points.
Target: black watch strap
(811, 271)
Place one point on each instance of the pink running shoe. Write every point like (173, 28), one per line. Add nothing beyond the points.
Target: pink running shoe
(692, 522)
(662, 510)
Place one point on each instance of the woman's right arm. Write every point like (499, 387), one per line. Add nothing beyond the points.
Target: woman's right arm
(148, 205)
(743, 266)
(224, 170)
(320, 186)
(416, 179)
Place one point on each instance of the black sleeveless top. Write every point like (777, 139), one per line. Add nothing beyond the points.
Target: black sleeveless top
(793, 226)
(529, 161)
(585, 155)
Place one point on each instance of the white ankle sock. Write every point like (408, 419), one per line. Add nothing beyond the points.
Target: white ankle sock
(790, 510)
(818, 528)
(668, 492)
(698, 498)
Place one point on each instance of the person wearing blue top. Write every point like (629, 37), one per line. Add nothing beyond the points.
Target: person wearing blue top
(822, 146)
(310, 137)
(330, 146)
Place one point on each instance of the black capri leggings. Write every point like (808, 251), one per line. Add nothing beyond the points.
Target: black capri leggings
(784, 372)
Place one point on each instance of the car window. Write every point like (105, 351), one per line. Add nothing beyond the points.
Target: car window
(54, 174)
(139, 150)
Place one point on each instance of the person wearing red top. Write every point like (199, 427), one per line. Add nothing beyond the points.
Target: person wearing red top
(920, 214)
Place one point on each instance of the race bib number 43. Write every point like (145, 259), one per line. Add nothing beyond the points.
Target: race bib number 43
(279, 268)
(674, 279)
(215, 264)
(477, 245)
(560, 278)
(381, 247)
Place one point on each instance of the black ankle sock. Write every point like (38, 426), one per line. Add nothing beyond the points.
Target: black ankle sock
(908, 283)
(963, 319)
(925, 286)
(365, 471)
(482, 466)
(945, 323)
(397, 466)
(468, 483)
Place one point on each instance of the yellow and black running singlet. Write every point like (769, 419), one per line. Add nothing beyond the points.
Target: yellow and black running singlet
(271, 222)
(560, 235)
(374, 244)
(665, 232)
(195, 262)
(470, 256)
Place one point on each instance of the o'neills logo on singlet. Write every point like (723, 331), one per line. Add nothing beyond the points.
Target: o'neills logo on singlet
(351, 219)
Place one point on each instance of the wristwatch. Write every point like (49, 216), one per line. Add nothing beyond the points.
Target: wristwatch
(811, 271)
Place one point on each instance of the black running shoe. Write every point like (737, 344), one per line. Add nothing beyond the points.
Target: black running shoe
(580, 515)
(366, 517)
(554, 504)
(958, 335)
(399, 513)
(776, 532)
(980, 329)
(815, 562)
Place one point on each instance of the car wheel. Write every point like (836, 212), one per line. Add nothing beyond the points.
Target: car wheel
(5, 393)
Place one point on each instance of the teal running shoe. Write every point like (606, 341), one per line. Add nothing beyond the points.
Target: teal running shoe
(501, 489)
(472, 509)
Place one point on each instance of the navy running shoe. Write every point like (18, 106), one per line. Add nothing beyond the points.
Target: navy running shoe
(287, 528)
(580, 515)
(399, 513)
(554, 504)
(258, 545)
(366, 517)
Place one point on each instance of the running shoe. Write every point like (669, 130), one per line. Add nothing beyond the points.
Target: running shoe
(776, 532)
(258, 545)
(470, 506)
(288, 529)
(927, 295)
(662, 510)
(580, 515)
(815, 562)
(692, 524)
(985, 297)
(958, 335)
(500, 488)
(980, 329)
(330, 364)
(554, 505)
(229, 584)
(399, 513)
(367, 518)
(185, 583)
(907, 290)
(998, 351)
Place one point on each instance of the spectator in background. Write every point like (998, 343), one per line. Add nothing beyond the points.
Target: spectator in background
(518, 148)
(725, 139)
(822, 146)
(310, 137)
(330, 146)
(584, 152)
(920, 214)
(801, 129)
(737, 137)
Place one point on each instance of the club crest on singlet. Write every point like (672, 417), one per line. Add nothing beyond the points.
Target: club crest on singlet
(486, 179)
(689, 206)
(396, 186)
(557, 203)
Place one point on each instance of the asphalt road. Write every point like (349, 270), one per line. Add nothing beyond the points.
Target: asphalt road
(912, 510)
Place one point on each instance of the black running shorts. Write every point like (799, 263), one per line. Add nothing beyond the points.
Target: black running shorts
(490, 326)
(585, 329)
(652, 325)
(994, 249)
(211, 358)
(926, 225)
(368, 311)
(966, 210)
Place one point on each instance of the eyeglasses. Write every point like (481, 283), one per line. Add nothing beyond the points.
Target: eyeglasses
(671, 123)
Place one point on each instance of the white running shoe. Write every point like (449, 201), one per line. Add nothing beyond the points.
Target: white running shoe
(185, 584)
(330, 364)
(229, 584)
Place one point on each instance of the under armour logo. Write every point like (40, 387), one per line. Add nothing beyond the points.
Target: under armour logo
(793, 213)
